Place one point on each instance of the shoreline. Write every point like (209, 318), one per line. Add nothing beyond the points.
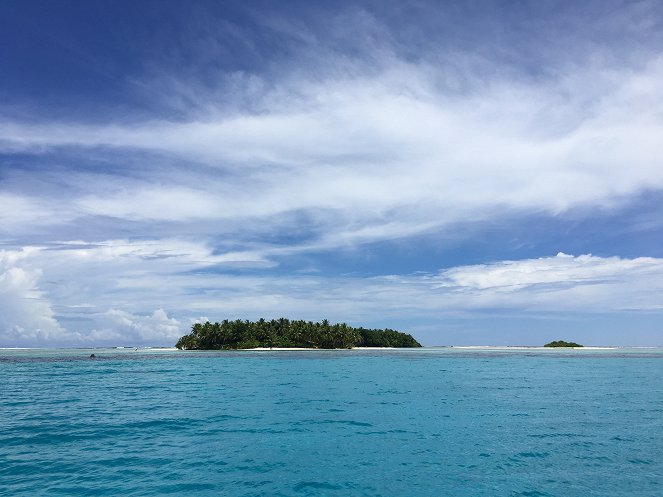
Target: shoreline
(534, 347)
(513, 348)
(263, 349)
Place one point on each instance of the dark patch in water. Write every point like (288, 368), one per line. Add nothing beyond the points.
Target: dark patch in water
(317, 485)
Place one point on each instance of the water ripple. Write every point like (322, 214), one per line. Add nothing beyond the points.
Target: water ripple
(419, 423)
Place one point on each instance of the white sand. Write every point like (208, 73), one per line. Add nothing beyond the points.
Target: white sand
(282, 348)
(523, 347)
(311, 348)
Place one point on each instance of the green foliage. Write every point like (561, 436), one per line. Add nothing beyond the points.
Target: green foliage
(562, 343)
(282, 332)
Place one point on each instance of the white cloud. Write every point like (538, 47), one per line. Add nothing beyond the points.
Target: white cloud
(26, 315)
(179, 254)
(20, 211)
(562, 269)
(118, 327)
(107, 292)
(79, 280)
(362, 152)
(584, 283)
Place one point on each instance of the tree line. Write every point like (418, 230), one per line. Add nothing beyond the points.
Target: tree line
(283, 332)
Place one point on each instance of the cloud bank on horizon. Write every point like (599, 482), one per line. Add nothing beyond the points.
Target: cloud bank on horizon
(408, 164)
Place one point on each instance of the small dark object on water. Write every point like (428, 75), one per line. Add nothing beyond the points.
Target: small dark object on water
(92, 356)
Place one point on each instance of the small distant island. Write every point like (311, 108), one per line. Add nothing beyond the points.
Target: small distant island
(562, 343)
(284, 333)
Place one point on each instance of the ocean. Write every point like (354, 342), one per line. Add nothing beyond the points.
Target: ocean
(420, 422)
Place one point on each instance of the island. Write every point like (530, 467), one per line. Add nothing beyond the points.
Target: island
(562, 343)
(284, 333)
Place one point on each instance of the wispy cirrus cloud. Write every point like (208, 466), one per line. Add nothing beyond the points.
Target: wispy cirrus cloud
(392, 146)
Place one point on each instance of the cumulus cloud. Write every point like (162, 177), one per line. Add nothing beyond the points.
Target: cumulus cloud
(76, 275)
(26, 315)
(568, 287)
(118, 327)
(107, 292)
(584, 283)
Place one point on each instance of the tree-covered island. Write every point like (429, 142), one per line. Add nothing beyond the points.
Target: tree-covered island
(562, 343)
(285, 333)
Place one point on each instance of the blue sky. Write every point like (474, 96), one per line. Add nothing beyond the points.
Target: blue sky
(470, 172)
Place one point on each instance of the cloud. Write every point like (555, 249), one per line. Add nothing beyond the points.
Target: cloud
(26, 315)
(106, 292)
(68, 294)
(20, 213)
(564, 287)
(584, 283)
(179, 254)
(117, 327)
(312, 141)
(364, 152)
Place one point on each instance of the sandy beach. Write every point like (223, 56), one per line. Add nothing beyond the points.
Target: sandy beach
(311, 348)
(524, 347)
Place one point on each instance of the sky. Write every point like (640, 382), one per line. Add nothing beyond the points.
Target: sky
(481, 172)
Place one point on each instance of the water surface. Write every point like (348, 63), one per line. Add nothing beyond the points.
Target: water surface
(424, 422)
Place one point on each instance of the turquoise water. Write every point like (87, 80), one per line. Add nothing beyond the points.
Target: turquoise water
(430, 422)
